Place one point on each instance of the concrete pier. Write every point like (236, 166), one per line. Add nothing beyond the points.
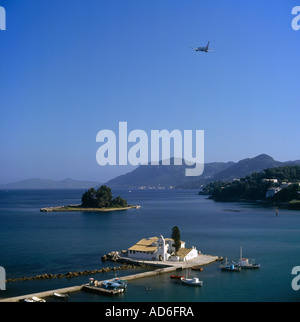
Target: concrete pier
(164, 267)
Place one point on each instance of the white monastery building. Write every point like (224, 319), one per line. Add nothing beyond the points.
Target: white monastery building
(161, 249)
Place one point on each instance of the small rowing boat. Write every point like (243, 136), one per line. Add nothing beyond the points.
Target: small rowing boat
(61, 296)
(177, 277)
(200, 269)
(37, 299)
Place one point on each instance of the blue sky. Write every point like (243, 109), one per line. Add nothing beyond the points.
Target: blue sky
(70, 68)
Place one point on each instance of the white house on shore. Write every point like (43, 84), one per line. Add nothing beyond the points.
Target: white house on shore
(160, 249)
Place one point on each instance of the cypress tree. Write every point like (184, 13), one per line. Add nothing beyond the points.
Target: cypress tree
(176, 238)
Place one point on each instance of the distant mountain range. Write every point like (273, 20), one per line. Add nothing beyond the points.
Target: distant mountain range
(163, 177)
(158, 177)
(50, 184)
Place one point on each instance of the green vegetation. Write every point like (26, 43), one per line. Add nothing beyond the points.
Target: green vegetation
(92, 201)
(176, 238)
(102, 198)
(287, 194)
(255, 186)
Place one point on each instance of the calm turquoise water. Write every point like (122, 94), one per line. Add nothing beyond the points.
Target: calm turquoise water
(34, 243)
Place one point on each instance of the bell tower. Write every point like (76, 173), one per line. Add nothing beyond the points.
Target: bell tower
(161, 249)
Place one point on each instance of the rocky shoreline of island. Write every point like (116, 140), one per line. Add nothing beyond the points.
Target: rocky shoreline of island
(70, 208)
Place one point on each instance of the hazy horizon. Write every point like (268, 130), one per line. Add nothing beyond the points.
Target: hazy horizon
(128, 169)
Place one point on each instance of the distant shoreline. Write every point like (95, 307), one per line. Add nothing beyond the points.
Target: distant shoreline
(71, 208)
(290, 205)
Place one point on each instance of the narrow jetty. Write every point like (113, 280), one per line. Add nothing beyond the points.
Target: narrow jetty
(162, 268)
(100, 290)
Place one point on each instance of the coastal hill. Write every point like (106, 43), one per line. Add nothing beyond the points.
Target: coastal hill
(174, 176)
(276, 185)
(248, 166)
(162, 176)
(49, 184)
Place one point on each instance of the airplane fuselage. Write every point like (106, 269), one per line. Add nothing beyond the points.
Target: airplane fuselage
(202, 49)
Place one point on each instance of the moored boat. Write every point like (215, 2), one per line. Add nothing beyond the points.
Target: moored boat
(196, 268)
(226, 267)
(177, 277)
(29, 300)
(37, 299)
(61, 296)
(122, 283)
(112, 286)
(193, 281)
(188, 280)
(247, 263)
(231, 268)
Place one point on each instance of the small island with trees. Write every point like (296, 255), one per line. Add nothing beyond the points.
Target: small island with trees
(95, 200)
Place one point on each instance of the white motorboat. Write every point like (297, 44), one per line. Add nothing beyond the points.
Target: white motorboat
(193, 281)
(28, 300)
(61, 296)
(188, 280)
(37, 299)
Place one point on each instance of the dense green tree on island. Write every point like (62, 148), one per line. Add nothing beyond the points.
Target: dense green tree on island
(119, 202)
(88, 198)
(102, 198)
(176, 238)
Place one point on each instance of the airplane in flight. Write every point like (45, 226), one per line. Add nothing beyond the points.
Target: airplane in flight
(205, 49)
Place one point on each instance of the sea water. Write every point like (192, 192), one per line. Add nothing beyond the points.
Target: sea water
(34, 242)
